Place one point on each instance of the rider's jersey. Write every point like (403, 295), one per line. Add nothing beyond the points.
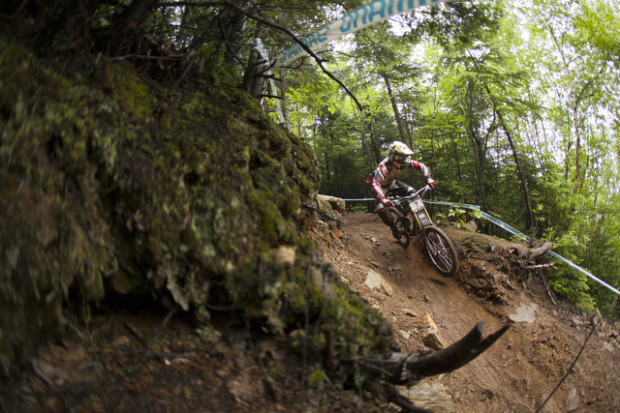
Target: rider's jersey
(387, 172)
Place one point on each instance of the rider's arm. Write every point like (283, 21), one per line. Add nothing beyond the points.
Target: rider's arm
(422, 168)
(376, 179)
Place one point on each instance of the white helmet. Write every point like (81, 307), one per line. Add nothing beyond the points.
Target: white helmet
(398, 153)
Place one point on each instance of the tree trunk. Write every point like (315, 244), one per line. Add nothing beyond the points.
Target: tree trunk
(253, 80)
(231, 26)
(367, 147)
(399, 121)
(375, 144)
(284, 101)
(531, 222)
(327, 171)
(458, 163)
(479, 148)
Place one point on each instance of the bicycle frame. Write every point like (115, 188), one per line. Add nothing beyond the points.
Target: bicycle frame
(415, 208)
(438, 247)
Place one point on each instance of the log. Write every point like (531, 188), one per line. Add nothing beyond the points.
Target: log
(409, 368)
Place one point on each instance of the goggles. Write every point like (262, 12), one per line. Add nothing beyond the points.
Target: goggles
(400, 159)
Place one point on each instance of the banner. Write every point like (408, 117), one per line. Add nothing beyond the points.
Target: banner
(372, 13)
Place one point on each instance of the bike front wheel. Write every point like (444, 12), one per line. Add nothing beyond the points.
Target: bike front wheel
(440, 251)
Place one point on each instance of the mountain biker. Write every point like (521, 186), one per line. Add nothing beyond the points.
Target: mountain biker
(383, 180)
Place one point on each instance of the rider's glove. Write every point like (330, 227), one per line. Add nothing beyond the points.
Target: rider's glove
(386, 202)
(431, 182)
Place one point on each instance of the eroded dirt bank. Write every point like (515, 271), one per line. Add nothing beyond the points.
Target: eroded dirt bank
(520, 371)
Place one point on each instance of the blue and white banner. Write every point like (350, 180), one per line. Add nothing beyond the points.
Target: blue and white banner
(372, 13)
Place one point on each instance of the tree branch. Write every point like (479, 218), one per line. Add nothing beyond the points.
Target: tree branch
(308, 50)
(193, 4)
(407, 369)
(570, 369)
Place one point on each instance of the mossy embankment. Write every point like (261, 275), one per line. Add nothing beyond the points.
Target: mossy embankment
(111, 184)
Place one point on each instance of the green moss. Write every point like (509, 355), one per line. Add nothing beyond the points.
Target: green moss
(130, 92)
(189, 203)
(316, 377)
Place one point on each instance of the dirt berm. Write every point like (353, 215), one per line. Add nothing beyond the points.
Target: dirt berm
(521, 370)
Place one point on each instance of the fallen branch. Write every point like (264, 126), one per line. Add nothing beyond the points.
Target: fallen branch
(570, 369)
(546, 284)
(535, 267)
(409, 368)
(405, 369)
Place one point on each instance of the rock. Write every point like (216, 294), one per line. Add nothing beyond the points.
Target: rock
(285, 254)
(337, 204)
(472, 226)
(526, 313)
(573, 400)
(375, 281)
(429, 332)
(408, 312)
(431, 395)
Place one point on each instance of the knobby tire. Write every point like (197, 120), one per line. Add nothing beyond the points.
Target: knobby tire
(440, 251)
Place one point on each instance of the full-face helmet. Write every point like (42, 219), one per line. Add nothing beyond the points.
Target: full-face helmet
(398, 153)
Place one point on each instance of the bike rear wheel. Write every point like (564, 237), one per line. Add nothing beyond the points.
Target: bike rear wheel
(440, 251)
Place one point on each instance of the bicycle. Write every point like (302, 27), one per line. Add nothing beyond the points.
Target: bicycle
(411, 219)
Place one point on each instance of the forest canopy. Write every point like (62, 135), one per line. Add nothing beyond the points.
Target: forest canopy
(511, 105)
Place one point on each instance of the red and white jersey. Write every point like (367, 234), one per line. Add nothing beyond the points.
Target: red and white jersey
(387, 172)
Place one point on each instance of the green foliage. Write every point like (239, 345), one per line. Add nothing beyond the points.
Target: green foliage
(461, 216)
(547, 70)
(111, 186)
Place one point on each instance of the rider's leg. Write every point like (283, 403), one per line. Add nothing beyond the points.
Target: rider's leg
(401, 189)
(388, 219)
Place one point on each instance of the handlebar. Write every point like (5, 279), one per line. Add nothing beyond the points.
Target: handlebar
(419, 192)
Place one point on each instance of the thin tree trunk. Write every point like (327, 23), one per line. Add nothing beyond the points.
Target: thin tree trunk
(284, 101)
(480, 152)
(531, 222)
(458, 163)
(231, 25)
(253, 80)
(327, 171)
(397, 116)
(375, 144)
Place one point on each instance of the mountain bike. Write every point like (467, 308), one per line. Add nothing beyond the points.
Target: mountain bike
(412, 218)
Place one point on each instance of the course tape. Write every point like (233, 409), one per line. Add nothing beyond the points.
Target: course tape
(513, 231)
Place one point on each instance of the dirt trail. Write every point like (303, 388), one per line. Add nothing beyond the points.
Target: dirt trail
(111, 367)
(525, 365)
